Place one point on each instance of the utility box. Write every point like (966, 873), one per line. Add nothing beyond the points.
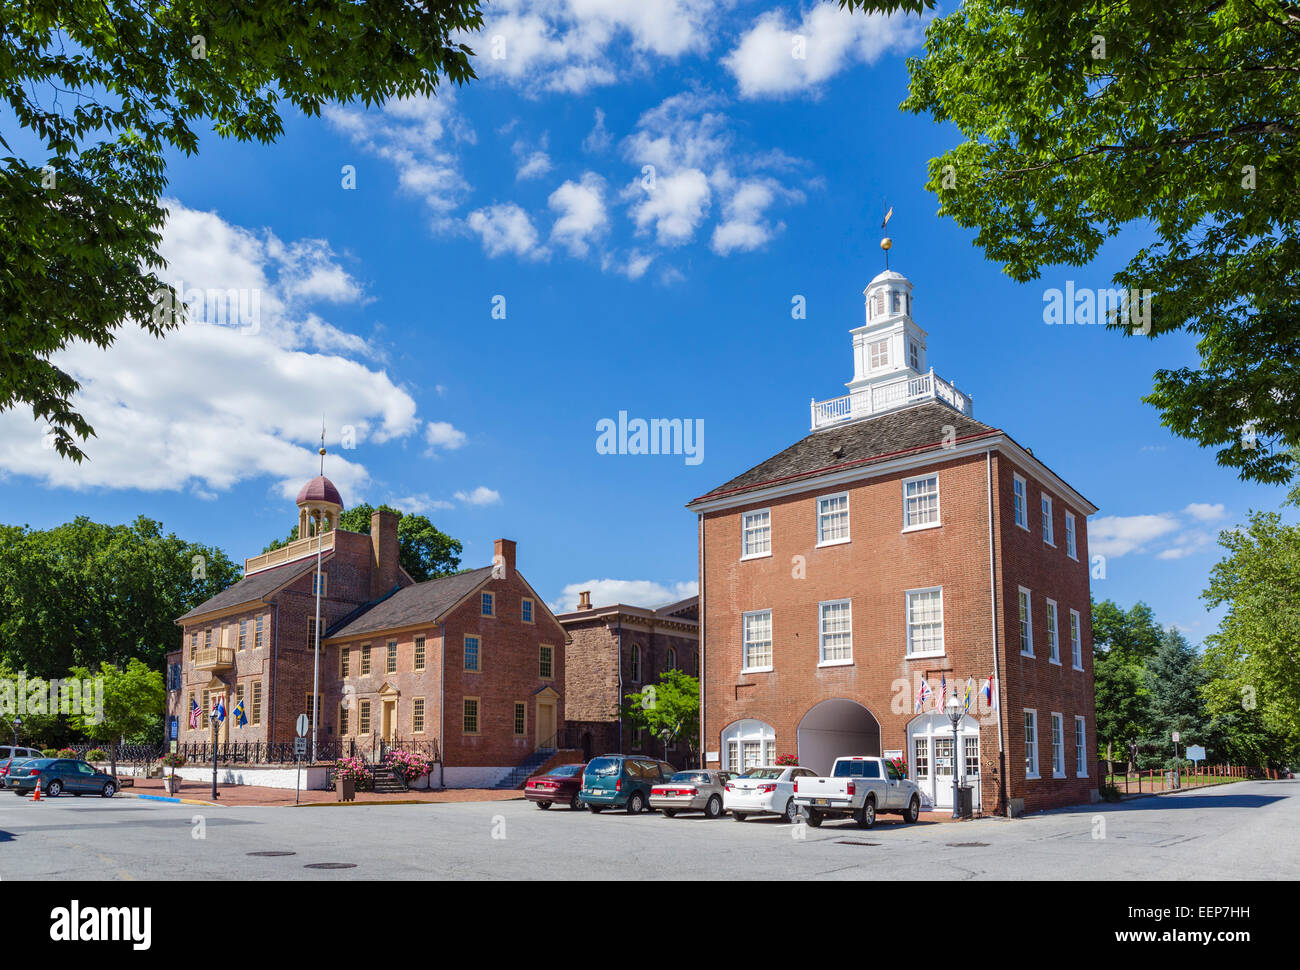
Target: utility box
(965, 801)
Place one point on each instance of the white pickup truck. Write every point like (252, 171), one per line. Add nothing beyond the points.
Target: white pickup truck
(859, 787)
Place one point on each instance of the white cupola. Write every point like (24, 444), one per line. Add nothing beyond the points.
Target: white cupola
(889, 342)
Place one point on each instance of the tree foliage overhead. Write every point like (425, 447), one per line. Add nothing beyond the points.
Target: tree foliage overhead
(1179, 117)
(104, 89)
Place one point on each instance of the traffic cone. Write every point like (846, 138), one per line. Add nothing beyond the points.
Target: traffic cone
(36, 795)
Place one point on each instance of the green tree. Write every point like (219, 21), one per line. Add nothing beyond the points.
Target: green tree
(83, 593)
(425, 551)
(1133, 634)
(1174, 678)
(1121, 702)
(669, 708)
(105, 89)
(1176, 117)
(40, 725)
(134, 699)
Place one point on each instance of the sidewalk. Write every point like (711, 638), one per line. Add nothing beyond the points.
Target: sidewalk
(192, 792)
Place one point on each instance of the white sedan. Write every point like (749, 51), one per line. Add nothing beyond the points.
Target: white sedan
(764, 790)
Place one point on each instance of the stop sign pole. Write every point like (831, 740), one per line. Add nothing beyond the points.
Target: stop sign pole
(297, 754)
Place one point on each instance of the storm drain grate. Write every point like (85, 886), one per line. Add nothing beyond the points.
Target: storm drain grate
(968, 845)
(266, 855)
(330, 865)
(853, 842)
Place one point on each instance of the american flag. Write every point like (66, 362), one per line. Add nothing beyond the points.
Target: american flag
(194, 713)
(943, 694)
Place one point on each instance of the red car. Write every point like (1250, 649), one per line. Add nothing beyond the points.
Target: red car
(560, 784)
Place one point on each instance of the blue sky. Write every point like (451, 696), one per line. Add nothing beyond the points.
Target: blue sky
(771, 174)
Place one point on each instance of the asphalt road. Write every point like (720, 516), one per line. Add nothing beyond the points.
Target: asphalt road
(1240, 831)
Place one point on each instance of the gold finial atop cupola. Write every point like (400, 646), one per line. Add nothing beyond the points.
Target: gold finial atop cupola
(887, 244)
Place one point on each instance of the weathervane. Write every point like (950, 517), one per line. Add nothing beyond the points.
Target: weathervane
(322, 444)
(886, 244)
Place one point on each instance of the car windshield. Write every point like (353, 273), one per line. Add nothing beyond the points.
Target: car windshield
(691, 776)
(768, 773)
(566, 771)
(604, 767)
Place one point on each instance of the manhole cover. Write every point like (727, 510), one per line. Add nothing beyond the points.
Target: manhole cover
(270, 854)
(853, 842)
(968, 845)
(330, 865)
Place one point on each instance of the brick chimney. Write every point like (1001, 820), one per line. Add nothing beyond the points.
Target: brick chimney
(385, 552)
(584, 600)
(503, 559)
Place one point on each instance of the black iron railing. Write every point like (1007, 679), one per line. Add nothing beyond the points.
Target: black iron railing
(372, 750)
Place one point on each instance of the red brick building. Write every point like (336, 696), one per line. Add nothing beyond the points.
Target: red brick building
(469, 666)
(901, 543)
(617, 650)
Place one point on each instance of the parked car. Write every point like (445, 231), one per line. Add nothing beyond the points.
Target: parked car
(561, 784)
(622, 781)
(58, 775)
(764, 790)
(16, 757)
(859, 787)
(696, 790)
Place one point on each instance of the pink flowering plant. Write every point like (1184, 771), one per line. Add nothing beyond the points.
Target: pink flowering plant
(357, 770)
(786, 759)
(409, 764)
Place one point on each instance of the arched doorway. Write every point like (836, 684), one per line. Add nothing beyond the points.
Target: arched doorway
(836, 728)
(931, 757)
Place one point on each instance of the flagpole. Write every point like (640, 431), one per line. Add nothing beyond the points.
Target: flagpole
(315, 669)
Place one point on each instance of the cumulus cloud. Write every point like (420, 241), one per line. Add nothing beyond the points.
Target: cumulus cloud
(598, 139)
(479, 496)
(582, 216)
(506, 228)
(644, 593)
(1171, 535)
(441, 434)
(1205, 512)
(419, 504)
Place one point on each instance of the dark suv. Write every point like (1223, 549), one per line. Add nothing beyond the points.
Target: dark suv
(622, 781)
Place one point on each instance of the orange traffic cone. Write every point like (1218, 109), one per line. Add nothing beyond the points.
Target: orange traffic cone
(36, 795)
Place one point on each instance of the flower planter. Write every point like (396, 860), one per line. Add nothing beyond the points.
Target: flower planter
(346, 788)
(172, 783)
(420, 783)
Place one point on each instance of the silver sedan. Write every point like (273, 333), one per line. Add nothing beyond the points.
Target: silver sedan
(695, 790)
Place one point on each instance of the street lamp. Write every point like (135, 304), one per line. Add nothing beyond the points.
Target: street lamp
(955, 711)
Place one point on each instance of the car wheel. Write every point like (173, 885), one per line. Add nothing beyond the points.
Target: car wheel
(913, 810)
(813, 818)
(635, 803)
(739, 816)
(791, 813)
(714, 808)
(543, 804)
(595, 809)
(18, 793)
(110, 789)
(669, 812)
(867, 813)
(54, 789)
(575, 803)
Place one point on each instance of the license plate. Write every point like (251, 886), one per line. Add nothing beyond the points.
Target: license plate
(819, 801)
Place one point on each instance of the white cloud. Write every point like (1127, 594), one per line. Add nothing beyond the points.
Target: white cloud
(581, 206)
(480, 496)
(506, 228)
(419, 504)
(777, 59)
(674, 207)
(1205, 512)
(743, 227)
(598, 139)
(630, 592)
(441, 434)
(1118, 535)
(210, 405)
(534, 165)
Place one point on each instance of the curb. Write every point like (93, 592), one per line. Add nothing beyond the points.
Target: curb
(174, 801)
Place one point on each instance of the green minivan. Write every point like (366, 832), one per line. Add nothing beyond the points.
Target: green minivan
(622, 781)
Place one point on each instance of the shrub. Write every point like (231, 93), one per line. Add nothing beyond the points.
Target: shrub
(787, 759)
(66, 753)
(49, 752)
(96, 754)
(408, 764)
(1109, 793)
(357, 770)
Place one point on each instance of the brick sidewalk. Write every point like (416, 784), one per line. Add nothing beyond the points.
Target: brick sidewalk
(274, 797)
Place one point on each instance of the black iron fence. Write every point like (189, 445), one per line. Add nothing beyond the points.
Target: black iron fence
(372, 750)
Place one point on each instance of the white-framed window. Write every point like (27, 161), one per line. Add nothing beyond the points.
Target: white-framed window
(878, 354)
(1071, 542)
(1058, 747)
(1049, 533)
(1026, 627)
(921, 757)
(748, 744)
(1018, 502)
(1053, 634)
(924, 609)
(1080, 747)
(921, 502)
(913, 355)
(1076, 641)
(756, 534)
(833, 519)
(756, 641)
(835, 632)
(1031, 743)
(898, 302)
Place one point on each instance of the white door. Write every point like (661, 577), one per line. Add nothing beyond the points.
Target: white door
(934, 758)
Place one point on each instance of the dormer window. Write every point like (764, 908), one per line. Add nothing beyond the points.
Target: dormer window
(878, 353)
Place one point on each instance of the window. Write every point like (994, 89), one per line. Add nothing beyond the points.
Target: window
(173, 676)
(756, 636)
(311, 709)
(343, 719)
(921, 502)
(833, 519)
(1080, 748)
(419, 653)
(898, 302)
(363, 717)
(469, 719)
(207, 706)
(486, 604)
(311, 633)
(1026, 628)
(189, 707)
(417, 715)
(1071, 546)
(913, 355)
(1031, 744)
(257, 632)
(756, 534)
(243, 633)
(365, 661)
(921, 757)
(255, 715)
(194, 646)
(879, 301)
(878, 353)
(207, 639)
(526, 610)
(924, 608)
(836, 634)
(748, 744)
(471, 653)
(345, 661)
(521, 719)
(1058, 747)
(1049, 534)
(671, 659)
(1053, 638)
(636, 663)
(546, 661)
(1018, 501)
(318, 583)
(1076, 641)
(971, 755)
(390, 659)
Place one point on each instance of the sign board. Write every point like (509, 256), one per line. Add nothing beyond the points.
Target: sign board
(174, 746)
(943, 762)
(893, 755)
(1195, 752)
(1176, 737)
(302, 725)
(172, 730)
(299, 747)
(710, 756)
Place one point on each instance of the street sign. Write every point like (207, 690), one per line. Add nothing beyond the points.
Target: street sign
(1195, 752)
(302, 725)
(299, 747)
(1176, 737)
(174, 745)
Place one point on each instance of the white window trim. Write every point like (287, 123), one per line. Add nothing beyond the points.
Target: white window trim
(1080, 719)
(744, 652)
(817, 509)
(1049, 523)
(943, 630)
(1029, 619)
(821, 634)
(1053, 632)
(1024, 490)
(1038, 754)
(1055, 718)
(1077, 624)
(755, 555)
(937, 502)
(1071, 536)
